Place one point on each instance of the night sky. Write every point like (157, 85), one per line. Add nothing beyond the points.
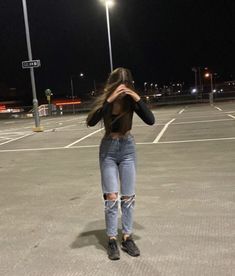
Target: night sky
(159, 40)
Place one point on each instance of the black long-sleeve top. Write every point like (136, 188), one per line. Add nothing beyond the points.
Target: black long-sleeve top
(139, 107)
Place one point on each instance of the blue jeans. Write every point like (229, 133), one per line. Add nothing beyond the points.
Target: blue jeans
(117, 158)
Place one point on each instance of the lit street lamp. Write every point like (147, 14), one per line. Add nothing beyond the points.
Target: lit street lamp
(81, 75)
(194, 69)
(210, 75)
(145, 87)
(109, 3)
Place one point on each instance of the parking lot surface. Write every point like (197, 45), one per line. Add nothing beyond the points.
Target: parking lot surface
(52, 217)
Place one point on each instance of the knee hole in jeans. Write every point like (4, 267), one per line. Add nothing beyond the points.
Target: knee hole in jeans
(111, 196)
(128, 200)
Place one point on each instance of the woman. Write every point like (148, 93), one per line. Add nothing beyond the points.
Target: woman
(117, 155)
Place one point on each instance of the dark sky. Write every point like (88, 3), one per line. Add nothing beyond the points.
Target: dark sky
(159, 40)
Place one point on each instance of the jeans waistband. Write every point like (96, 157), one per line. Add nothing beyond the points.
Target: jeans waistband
(122, 137)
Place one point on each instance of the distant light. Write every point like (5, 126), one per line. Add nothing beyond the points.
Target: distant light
(81, 75)
(207, 75)
(194, 91)
(214, 90)
(110, 3)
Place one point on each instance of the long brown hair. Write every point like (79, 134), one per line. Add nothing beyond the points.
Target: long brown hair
(117, 77)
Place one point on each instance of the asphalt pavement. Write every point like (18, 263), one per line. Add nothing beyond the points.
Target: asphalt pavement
(52, 213)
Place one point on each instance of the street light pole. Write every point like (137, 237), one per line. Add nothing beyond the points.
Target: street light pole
(211, 98)
(194, 69)
(72, 91)
(107, 3)
(37, 128)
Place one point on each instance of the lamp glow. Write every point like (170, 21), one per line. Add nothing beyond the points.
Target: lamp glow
(110, 3)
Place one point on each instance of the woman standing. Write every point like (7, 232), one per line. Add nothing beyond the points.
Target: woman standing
(117, 155)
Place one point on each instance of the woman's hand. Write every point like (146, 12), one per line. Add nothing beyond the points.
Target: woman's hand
(133, 94)
(120, 90)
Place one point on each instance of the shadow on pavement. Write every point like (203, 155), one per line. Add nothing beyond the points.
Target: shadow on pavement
(98, 237)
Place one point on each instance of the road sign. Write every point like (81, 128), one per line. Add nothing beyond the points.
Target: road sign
(48, 92)
(31, 64)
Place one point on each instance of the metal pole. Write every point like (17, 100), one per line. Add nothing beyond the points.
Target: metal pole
(200, 81)
(72, 90)
(109, 36)
(211, 94)
(35, 101)
(196, 78)
(211, 83)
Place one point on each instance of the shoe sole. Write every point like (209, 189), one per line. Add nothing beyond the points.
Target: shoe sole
(129, 253)
(114, 259)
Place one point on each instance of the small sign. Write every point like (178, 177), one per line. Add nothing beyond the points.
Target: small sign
(31, 64)
(48, 92)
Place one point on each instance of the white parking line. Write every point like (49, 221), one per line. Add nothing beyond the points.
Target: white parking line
(12, 140)
(181, 111)
(162, 131)
(83, 138)
(95, 146)
(218, 108)
(205, 121)
(5, 138)
(231, 116)
(198, 140)
(8, 123)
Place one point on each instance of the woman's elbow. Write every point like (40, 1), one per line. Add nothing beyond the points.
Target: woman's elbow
(91, 124)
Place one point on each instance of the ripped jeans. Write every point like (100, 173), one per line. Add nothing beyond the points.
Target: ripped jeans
(117, 158)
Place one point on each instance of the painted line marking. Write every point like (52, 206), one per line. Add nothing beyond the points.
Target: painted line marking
(36, 149)
(182, 123)
(8, 123)
(162, 131)
(218, 108)
(11, 133)
(96, 146)
(198, 140)
(181, 111)
(5, 138)
(205, 121)
(12, 140)
(232, 111)
(83, 138)
(231, 116)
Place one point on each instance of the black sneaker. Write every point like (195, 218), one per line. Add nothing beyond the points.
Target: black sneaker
(130, 247)
(113, 251)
